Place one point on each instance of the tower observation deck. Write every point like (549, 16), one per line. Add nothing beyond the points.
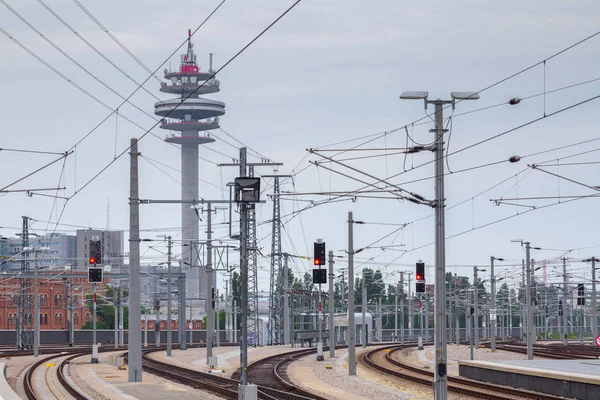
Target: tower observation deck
(191, 117)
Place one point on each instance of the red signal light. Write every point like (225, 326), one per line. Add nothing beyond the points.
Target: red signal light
(419, 277)
(92, 260)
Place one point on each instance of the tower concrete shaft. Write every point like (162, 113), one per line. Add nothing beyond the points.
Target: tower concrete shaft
(189, 115)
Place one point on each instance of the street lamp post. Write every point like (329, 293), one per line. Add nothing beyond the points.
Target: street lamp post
(441, 379)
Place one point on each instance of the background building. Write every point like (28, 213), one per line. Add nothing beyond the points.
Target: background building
(54, 294)
(60, 250)
(113, 251)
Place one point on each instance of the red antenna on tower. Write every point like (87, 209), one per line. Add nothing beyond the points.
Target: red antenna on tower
(189, 33)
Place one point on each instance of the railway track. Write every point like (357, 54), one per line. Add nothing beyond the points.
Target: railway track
(226, 387)
(382, 359)
(70, 355)
(28, 379)
(271, 372)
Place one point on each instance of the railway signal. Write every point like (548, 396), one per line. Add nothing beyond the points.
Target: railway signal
(319, 254)
(95, 252)
(580, 294)
(420, 277)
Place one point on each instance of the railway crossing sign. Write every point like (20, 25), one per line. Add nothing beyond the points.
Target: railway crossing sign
(492, 314)
(598, 340)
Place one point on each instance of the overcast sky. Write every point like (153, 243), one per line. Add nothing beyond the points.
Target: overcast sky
(329, 71)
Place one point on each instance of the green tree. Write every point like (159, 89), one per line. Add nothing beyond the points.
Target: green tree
(105, 310)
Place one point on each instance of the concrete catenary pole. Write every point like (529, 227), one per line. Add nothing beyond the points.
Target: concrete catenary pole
(529, 303)
(364, 336)
(121, 317)
(209, 287)
(565, 305)
(157, 309)
(169, 297)
(331, 307)
(476, 307)
(493, 303)
(351, 323)
(402, 307)
(440, 376)
(36, 312)
(116, 306)
(134, 359)
(286, 302)
(522, 305)
(410, 309)
(593, 299)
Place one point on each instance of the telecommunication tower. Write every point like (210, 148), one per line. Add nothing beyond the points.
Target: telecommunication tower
(192, 117)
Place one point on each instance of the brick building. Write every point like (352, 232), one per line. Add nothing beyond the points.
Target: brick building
(54, 295)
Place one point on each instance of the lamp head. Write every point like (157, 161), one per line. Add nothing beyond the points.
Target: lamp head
(414, 95)
(464, 95)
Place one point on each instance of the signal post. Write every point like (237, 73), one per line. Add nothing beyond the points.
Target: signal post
(95, 276)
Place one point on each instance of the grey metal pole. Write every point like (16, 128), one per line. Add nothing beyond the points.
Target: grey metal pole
(169, 297)
(209, 286)
(396, 313)
(402, 307)
(593, 300)
(320, 326)
(36, 312)
(286, 301)
(191, 324)
(331, 307)
(71, 315)
(441, 378)
(181, 313)
(457, 316)
(493, 304)
(476, 307)
(145, 328)
(134, 358)
(471, 323)
(426, 323)
(522, 305)
(218, 320)
(122, 318)
(94, 341)
(363, 339)
(227, 330)
(244, 293)
(351, 323)
(116, 307)
(410, 309)
(157, 308)
(528, 301)
(235, 332)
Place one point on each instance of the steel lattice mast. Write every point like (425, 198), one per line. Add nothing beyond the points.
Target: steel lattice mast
(276, 289)
(190, 114)
(253, 324)
(25, 318)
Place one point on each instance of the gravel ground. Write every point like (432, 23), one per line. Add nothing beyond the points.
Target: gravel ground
(335, 383)
(104, 381)
(14, 367)
(371, 384)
